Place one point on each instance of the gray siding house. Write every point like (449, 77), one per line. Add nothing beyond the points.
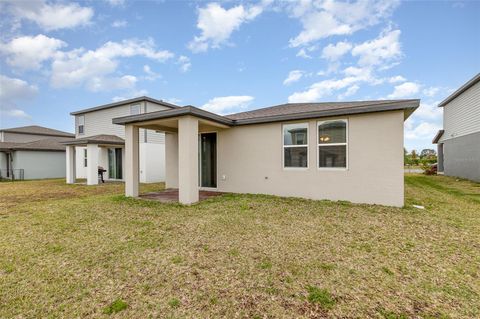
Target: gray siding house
(459, 140)
(32, 152)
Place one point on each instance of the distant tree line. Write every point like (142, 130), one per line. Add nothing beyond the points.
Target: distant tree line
(427, 156)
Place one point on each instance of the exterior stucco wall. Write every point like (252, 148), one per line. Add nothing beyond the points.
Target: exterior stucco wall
(40, 164)
(250, 161)
(462, 156)
(152, 162)
(171, 160)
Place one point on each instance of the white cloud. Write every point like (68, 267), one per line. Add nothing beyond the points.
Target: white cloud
(228, 104)
(431, 91)
(404, 90)
(350, 91)
(321, 19)
(12, 89)
(397, 79)
(173, 100)
(119, 23)
(185, 63)
(428, 111)
(293, 76)
(217, 24)
(424, 130)
(383, 49)
(16, 113)
(334, 52)
(52, 16)
(150, 74)
(94, 68)
(321, 89)
(29, 52)
(302, 53)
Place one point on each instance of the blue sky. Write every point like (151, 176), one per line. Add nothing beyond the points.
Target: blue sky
(59, 56)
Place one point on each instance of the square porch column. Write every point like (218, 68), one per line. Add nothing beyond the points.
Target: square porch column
(92, 164)
(188, 160)
(71, 167)
(131, 161)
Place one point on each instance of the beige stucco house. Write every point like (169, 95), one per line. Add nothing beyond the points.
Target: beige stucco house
(338, 151)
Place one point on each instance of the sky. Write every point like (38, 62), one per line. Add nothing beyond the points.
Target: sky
(60, 56)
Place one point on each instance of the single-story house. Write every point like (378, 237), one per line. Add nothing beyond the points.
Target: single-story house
(349, 151)
(32, 152)
(458, 142)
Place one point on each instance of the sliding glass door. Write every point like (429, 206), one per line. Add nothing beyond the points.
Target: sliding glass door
(115, 163)
(208, 160)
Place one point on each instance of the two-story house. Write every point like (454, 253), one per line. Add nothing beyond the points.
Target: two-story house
(32, 152)
(99, 143)
(459, 140)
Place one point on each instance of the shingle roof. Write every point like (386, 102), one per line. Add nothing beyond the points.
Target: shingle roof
(96, 139)
(37, 130)
(40, 145)
(462, 89)
(298, 108)
(130, 101)
(283, 112)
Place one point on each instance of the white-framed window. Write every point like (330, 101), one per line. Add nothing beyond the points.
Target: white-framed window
(85, 157)
(81, 124)
(295, 145)
(332, 142)
(135, 109)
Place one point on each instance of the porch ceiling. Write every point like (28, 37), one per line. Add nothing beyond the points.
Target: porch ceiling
(171, 125)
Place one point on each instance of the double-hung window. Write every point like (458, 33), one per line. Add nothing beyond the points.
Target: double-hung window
(81, 124)
(135, 109)
(332, 144)
(295, 145)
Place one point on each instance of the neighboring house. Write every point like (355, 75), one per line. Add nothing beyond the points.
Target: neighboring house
(459, 141)
(32, 152)
(338, 151)
(99, 143)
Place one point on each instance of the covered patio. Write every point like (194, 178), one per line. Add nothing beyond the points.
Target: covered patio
(183, 128)
(98, 152)
(171, 195)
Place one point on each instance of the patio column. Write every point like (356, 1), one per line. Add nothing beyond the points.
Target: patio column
(188, 160)
(131, 161)
(71, 167)
(92, 164)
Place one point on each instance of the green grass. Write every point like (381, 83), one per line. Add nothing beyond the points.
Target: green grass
(74, 250)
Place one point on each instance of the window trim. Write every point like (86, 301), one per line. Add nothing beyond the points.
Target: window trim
(292, 146)
(135, 106)
(318, 145)
(82, 125)
(85, 157)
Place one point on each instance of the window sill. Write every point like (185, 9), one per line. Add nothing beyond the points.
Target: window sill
(332, 168)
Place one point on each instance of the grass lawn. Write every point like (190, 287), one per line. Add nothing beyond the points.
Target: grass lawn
(83, 251)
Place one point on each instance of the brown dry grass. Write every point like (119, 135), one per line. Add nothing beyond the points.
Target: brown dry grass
(72, 251)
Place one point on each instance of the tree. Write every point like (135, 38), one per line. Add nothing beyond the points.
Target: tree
(427, 152)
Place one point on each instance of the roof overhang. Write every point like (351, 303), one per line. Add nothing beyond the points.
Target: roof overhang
(92, 140)
(438, 136)
(407, 106)
(174, 113)
(124, 102)
(462, 89)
